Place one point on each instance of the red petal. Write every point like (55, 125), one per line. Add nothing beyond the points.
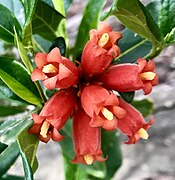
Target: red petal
(103, 28)
(37, 119)
(142, 63)
(50, 83)
(56, 136)
(54, 56)
(149, 67)
(114, 51)
(40, 59)
(123, 77)
(147, 88)
(64, 72)
(114, 36)
(37, 74)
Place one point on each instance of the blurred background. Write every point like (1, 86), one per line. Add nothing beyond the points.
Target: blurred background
(147, 160)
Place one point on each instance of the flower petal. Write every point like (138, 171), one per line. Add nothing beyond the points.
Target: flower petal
(54, 56)
(40, 60)
(50, 83)
(37, 74)
(56, 136)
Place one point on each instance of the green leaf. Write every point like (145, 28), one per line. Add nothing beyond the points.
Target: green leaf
(132, 47)
(41, 44)
(127, 96)
(11, 107)
(11, 177)
(29, 9)
(8, 157)
(6, 93)
(2, 147)
(10, 129)
(7, 23)
(137, 18)
(16, 7)
(111, 148)
(67, 4)
(60, 43)
(145, 106)
(89, 21)
(28, 145)
(59, 6)
(23, 54)
(48, 22)
(18, 80)
(167, 16)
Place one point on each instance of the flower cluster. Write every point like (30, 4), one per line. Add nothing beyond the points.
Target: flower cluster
(88, 94)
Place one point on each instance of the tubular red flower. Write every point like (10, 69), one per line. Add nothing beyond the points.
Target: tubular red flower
(54, 115)
(122, 77)
(54, 70)
(133, 124)
(102, 107)
(130, 77)
(87, 139)
(100, 50)
(147, 74)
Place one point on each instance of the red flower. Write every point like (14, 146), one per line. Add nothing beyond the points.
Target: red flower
(87, 139)
(133, 124)
(102, 107)
(147, 74)
(130, 77)
(54, 70)
(54, 115)
(100, 50)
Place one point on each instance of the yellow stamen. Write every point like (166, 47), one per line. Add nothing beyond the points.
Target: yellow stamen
(89, 159)
(148, 75)
(143, 133)
(44, 129)
(107, 114)
(49, 69)
(103, 40)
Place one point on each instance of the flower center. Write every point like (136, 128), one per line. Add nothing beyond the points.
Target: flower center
(44, 129)
(103, 40)
(89, 159)
(107, 114)
(143, 133)
(147, 75)
(50, 68)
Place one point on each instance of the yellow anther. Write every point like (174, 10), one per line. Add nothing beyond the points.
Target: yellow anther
(49, 69)
(44, 129)
(107, 114)
(143, 133)
(89, 159)
(147, 75)
(103, 40)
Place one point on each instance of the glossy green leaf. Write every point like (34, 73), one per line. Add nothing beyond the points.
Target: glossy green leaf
(132, 47)
(134, 15)
(2, 147)
(48, 22)
(8, 157)
(59, 6)
(67, 4)
(11, 107)
(41, 44)
(23, 54)
(28, 144)
(89, 21)
(111, 148)
(11, 177)
(145, 106)
(7, 24)
(18, 80)
(154, 8)
(10, 129)
(16, 7)
(127, 96)
(167, 16)
(60, 43)
(6, 93)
